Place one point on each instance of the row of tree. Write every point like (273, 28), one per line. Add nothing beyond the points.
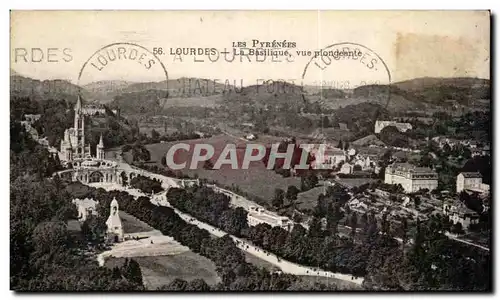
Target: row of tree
(146, 185)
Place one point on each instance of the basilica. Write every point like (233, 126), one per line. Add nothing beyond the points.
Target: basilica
(73, 145)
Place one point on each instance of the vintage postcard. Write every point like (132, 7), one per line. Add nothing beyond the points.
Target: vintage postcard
(250, 151)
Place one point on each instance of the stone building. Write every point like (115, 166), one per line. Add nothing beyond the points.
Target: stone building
(471, 181)
(402, 127)
(85, 207)
(114, 223)
(258, 215)
(412, 178)
(459, 213)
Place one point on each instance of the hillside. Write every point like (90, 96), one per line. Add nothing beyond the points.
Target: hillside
(44, 90)
(367, 141)
(115, 90)
(270, 94)
(418, 84)
(440, 91)
(104, 91)
(148, 101)
(140, 97)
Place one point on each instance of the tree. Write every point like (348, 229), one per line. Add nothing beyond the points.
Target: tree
(457, 228)
(446, 150)
(391, 136)
(291, 193)
(315, 228)
(308, 182)
(385, 224)
(94, 229)
(198, 285)
(176, 285)
(333, 217)
(155, 136)
(132, 271)
(321, 206)
(425, 160)
(417, 201)
(404, 230)
(372, 229)
(326, 122)
(124, 178)
(364, 222)
(279, 196)
(50, 237)
(353, 223)
(146, 185)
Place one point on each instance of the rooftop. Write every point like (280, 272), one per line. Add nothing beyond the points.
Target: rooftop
(407, 167)
(471, 174)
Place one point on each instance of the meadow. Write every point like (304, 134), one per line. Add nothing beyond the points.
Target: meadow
(257, 180)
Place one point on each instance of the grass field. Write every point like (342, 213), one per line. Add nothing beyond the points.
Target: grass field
(351, 182)
(309, 199)
(132, 225)
(161, 270)
(254, 260)
(331, 283)
(256, 180)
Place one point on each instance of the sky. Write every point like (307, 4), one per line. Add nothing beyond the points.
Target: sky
(391, 45)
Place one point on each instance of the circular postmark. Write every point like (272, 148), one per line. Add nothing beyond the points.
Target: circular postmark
(344, 74)
(127, 73)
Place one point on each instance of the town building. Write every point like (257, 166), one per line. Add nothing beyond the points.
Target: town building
(258, 215)
(85, 207)
(402, 127)
(459, 213)
(96, 109)
(412, 178)
(30, 129)
(346, 168)
(365, 161)
(250, 137)
(32, 118)
(327, 157)
(471, 181)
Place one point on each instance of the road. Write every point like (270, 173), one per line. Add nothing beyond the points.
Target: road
(451, 236)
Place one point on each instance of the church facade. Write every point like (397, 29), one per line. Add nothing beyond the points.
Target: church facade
(73, 144)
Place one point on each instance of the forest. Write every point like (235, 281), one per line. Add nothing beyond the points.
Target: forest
(45, 255)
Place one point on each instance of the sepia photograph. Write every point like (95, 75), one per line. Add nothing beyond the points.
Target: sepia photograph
(244, 151)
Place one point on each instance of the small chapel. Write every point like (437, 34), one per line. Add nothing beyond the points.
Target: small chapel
(114, 223)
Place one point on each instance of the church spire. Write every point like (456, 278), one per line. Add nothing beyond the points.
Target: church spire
(101, 143)
(78, 106)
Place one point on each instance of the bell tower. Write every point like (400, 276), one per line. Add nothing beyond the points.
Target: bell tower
(100, 149)
(114, 222)
(79, 127)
